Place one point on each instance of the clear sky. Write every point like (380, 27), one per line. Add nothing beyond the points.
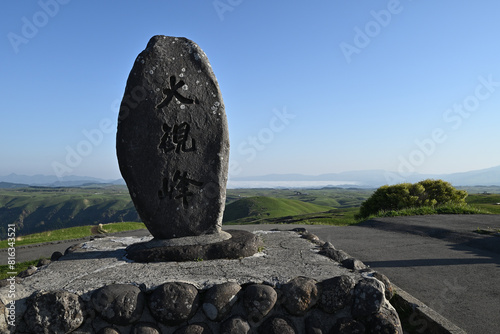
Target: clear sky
(309, 87)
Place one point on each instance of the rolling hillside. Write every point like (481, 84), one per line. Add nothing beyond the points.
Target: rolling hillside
(332, 197)
(256, 208)
(38, 209)
(489, 202)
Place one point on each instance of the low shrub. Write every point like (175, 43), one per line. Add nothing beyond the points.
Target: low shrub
(427, 193)
(463, 209)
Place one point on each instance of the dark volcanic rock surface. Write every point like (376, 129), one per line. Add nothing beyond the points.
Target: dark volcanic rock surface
(277, 325)
(219, 299)
(301, 294)
(336, 293)
(120, 304)
(235, 325)
(172, 141)
(241, 244)
(54, 312)
(259, 300)
(172, 303)
(368, 296)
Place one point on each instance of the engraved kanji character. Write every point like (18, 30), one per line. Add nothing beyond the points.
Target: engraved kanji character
(177, 139)
(180, 186)
(172, 91)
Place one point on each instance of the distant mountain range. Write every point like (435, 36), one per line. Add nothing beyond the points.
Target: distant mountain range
(363, 179)
(377, 178)
(51, 180)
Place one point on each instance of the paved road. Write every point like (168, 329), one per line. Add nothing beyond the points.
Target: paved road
(437, 259)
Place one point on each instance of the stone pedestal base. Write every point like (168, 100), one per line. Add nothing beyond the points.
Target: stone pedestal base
(288, 287)
(233, 244)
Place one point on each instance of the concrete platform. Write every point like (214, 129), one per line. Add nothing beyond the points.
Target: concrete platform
(285, 255)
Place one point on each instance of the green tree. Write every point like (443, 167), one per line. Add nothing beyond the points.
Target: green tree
(407, 195)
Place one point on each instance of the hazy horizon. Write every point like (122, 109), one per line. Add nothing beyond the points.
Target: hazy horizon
(308, 178)
(256, 175)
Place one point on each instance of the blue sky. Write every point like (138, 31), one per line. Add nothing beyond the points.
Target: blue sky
(309, 87)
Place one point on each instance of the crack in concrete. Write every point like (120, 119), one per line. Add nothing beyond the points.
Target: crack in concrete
(116, 264)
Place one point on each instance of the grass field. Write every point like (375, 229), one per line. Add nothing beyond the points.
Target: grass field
(489, 202)
(448, 209)
(475, 204)
(247, 210)
(19, 267)
(62, 234)
(72, 233)
(38, 209)
(332, 197)
(336, 217)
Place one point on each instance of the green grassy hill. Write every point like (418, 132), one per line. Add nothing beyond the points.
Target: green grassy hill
(489, 202)
(38, 209)
(253, 209)
(333, 197)
(73, 233)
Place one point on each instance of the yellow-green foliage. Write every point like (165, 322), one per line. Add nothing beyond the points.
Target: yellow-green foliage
(489, 202)
(73, 233)
(39, 209)
(407, 195)
(260, 207)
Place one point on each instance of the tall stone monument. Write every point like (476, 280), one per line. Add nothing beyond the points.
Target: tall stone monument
(172, 142)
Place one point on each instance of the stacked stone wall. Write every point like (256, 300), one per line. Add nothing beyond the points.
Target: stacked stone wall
(303, 305)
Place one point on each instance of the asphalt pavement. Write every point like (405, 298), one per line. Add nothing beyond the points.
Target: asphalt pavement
(440, 260)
